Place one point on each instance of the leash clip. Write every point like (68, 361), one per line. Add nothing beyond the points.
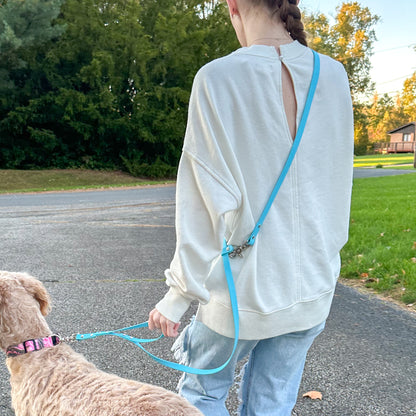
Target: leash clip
(70, 338)
(238, 250)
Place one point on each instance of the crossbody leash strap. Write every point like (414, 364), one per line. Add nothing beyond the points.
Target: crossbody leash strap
(228, 251)
(301, 128)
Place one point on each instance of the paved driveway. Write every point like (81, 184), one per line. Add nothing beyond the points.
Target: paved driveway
(102, 255)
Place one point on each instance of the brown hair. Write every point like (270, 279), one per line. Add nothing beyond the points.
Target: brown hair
(289, 13)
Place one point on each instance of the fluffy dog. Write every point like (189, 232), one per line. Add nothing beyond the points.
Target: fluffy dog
(58, 381)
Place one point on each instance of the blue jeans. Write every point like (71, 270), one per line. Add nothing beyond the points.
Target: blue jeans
(271, 377)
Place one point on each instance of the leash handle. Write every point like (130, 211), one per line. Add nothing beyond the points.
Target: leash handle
(176, 366)
(117, 333)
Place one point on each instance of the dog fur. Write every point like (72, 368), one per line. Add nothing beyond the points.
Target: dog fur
(60, 382)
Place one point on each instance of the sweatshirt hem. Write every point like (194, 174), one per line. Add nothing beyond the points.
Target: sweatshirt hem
(255, 325)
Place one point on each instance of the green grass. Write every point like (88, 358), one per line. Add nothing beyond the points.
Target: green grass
(381, 251)
(65, 179)
(384, 160)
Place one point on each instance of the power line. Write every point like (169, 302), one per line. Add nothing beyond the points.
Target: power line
(394, 48)
(390, 92)
(395, 79)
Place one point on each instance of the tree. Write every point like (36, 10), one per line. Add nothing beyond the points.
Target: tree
(114, 88)
(408, 97)
(106, 83)
(384, 114)
(24, 24)
(349, 40)
(378, 119)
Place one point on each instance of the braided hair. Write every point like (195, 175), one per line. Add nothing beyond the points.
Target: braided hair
(289, 13)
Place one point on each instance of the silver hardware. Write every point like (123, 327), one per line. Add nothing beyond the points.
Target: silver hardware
(68, 339)
(238, 251)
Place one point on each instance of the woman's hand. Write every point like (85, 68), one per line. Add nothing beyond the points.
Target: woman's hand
(158, 321)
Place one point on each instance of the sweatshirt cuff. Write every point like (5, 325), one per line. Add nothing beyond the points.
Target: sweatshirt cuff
(173, 305)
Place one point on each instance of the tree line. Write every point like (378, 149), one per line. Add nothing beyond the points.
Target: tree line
(106, 83)
(382, 114)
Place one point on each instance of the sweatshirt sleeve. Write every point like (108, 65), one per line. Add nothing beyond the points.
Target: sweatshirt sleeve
(201, 204)
(205, 192)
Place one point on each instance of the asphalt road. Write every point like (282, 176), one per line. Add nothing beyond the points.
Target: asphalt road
(373, 172)
(102, 255)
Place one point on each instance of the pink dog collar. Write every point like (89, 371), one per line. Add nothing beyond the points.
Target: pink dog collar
(32, 345)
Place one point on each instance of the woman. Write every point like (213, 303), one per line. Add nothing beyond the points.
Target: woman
(243, 115)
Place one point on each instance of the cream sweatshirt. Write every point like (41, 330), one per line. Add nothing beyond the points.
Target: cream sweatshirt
(236, 143)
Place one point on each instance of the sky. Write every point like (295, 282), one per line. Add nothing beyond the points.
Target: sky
(394, 59)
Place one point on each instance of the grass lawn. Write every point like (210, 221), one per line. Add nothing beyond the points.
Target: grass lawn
(392, 159)
(65, 179)
(381, 252)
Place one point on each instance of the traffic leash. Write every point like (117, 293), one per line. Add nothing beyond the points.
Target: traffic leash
(228, 251)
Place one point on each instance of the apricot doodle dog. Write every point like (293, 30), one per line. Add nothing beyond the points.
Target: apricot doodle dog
(52, 380)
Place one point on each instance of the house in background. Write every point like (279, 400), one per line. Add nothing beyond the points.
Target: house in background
(402, 140)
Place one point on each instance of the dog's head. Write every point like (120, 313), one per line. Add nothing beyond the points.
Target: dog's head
(23, 301)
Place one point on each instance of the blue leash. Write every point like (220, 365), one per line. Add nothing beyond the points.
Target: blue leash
(227, 252)
(170, 364)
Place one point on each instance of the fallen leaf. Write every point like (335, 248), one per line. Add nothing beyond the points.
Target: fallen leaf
(414, 245)
(413, 259)
(381, 234)
(364, 275)
(314, 395)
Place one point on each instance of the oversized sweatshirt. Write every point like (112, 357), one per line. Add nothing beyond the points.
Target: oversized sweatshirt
(236, 142)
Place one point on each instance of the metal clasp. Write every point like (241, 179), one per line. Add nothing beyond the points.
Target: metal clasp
(238, 250)
(71, 338)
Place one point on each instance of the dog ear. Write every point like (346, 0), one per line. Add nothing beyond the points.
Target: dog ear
(37, 290)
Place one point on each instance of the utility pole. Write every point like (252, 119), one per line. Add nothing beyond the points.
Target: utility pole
(414, 155)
